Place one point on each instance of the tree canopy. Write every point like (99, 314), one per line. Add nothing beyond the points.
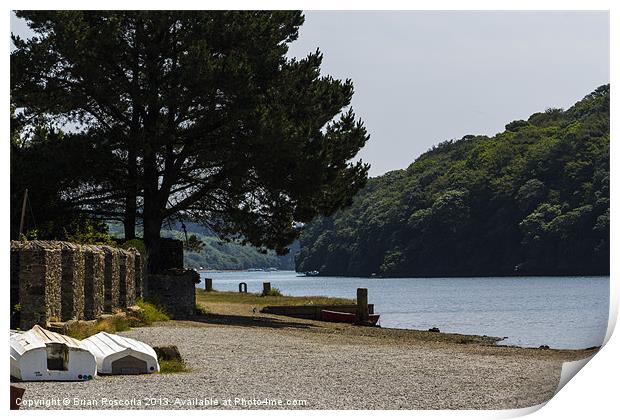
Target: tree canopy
(532, 200)
(190, 114)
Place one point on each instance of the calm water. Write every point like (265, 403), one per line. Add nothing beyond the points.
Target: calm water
(561, 312)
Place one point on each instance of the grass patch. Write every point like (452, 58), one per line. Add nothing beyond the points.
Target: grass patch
(172, 366)
(148, 314)
(201, 310)
(117, 323)
(82, 330)
(274, 291)
(250, 304)
(246, 304)
(256, 299)
(151, 313)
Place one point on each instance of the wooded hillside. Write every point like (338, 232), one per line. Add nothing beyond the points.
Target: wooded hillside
(532, 200)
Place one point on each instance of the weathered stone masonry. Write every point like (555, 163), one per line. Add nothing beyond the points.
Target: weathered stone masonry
(174, 287)
(72, 281)
(59, 281)
(39, 279)
(111, 278)
(139, 267)
(94, 262)
(127, 286)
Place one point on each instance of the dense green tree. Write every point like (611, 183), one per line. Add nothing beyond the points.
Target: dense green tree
(47, 163)
(198, 114)
(531, 200)
(193, 244)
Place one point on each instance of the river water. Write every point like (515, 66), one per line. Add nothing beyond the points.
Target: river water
(561, 312)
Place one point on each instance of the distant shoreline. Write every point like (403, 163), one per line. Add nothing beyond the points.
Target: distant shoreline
(400, 277)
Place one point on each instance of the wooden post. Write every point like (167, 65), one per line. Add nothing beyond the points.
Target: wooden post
(362, 305)
(208, 285)
(22, 220)
(266, 288)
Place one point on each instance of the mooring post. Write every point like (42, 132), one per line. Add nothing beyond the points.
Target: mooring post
(208, 285)
(362, 305)
(266, 288)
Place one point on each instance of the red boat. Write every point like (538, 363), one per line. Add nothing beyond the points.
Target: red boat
(346, 317)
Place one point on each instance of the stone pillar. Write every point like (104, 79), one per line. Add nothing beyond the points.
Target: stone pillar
(208, 285)
(176, 291)
(94, 262)
(127, 281)
(266, 288)
(40, 273)
(72, 284)
(139, 267)
(362, 305)
(111, 278)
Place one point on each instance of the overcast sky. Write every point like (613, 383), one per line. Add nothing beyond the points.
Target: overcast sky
(424, 77)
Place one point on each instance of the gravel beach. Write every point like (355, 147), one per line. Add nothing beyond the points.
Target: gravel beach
(312, 367)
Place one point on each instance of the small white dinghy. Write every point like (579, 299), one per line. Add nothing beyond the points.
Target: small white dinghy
(118, 355)
(42, 355)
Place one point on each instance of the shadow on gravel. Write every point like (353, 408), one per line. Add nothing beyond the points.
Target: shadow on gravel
(249, 321)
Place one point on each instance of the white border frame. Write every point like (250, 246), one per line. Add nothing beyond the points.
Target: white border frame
(592, 394)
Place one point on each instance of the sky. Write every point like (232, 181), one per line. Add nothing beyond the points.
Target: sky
(423, 77)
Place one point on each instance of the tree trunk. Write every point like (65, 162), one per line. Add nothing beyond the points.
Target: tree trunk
(129, 221)
(152, 228)
(152, 214)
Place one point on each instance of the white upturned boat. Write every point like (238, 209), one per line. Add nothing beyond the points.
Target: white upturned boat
(118, 355)
(42, 355)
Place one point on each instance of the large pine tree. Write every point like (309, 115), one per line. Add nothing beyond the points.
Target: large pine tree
(199, 114)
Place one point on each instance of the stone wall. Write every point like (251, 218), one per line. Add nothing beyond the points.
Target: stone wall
(59, 281)
(72, 281)
(175, 289)
(94, 262)
(127, 286)
(39, 278)
(111, 278)
(139, 267)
